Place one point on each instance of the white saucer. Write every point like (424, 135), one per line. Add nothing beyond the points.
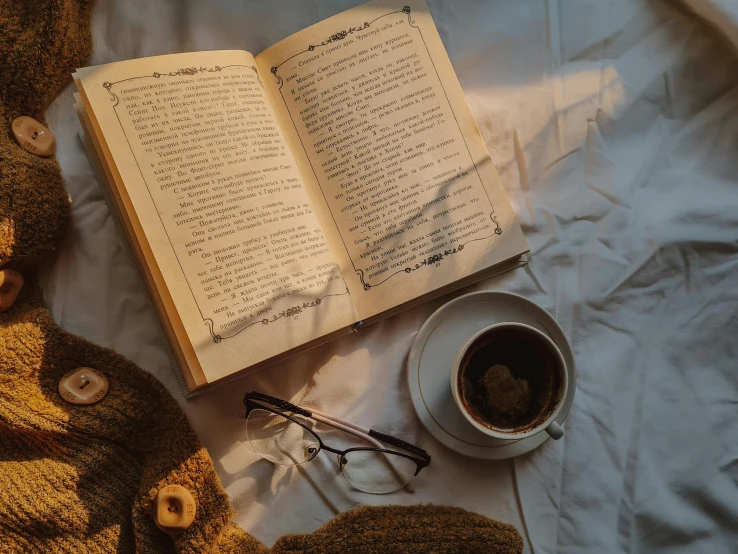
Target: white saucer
(434, 351)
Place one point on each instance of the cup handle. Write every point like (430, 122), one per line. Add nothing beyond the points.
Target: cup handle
(555, 431)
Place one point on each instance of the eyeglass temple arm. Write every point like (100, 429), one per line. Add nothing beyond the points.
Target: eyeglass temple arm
(278, 402)
(330, 420)
(369, 434)
(345, 426)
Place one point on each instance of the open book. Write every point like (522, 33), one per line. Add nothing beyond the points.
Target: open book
(277, 201)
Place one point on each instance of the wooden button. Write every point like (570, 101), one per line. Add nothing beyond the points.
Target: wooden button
(33, 136)
(11, 283)
(174, 509)
(83, 385)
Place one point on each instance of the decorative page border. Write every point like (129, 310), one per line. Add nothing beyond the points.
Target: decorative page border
(435, 259)
(294, 311)
(189, 71)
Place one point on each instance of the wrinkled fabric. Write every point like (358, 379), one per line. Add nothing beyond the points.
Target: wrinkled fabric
(614, 126)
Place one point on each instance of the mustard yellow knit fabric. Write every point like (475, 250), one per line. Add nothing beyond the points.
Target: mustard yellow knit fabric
(81, 479)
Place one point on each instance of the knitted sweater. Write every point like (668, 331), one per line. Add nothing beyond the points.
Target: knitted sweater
(83, 478)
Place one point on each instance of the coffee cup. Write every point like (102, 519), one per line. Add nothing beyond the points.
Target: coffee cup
(509, 381)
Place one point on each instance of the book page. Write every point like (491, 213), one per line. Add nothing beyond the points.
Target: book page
(398, 170)
(195, 148)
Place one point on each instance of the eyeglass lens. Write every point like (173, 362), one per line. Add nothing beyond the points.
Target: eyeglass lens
(280, 440)
(376, 472)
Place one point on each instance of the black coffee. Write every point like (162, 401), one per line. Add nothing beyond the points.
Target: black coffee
(509, 380)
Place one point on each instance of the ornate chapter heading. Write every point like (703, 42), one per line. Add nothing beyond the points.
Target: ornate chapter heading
(185, 71)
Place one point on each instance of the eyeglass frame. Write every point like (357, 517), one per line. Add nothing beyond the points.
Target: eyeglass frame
(421, 458)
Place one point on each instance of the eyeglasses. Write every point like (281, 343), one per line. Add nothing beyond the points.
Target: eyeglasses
(282, 433)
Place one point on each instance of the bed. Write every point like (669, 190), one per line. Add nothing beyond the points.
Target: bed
(614, 127)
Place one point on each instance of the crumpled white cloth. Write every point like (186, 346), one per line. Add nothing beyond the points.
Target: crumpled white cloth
(614, 126)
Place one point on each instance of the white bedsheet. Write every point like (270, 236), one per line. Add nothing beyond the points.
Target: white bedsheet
(614, 125)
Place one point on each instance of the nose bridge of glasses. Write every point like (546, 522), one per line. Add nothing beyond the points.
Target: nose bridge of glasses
(311, 450)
